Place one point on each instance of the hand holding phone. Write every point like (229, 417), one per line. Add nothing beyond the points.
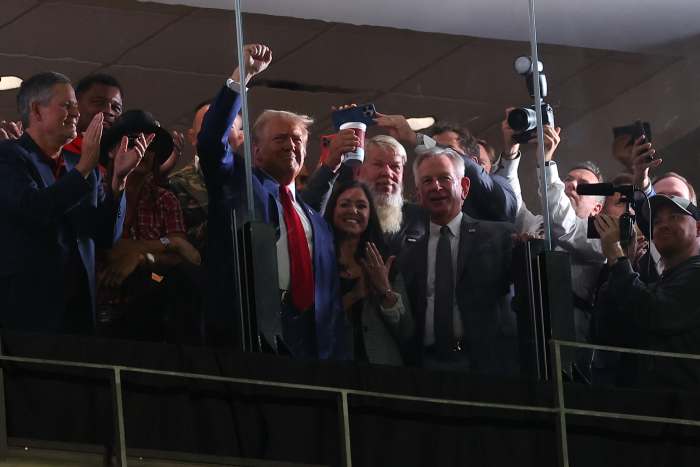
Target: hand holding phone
(365, 113)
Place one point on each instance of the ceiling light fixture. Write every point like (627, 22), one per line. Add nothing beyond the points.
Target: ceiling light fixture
(9, 82)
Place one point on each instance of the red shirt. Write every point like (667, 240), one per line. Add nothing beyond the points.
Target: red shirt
(76, 147)
(158, 214)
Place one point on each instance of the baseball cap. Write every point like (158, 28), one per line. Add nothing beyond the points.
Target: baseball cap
(679, 204)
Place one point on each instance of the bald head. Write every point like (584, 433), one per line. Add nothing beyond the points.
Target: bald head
(235, 137)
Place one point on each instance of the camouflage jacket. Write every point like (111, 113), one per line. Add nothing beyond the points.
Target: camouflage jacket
(188, 185)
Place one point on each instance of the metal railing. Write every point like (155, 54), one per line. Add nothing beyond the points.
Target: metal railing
(558, 409)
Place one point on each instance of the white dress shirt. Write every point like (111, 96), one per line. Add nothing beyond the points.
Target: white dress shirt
(454, 226)
(525, 220)
(282, 248)
(570, 234)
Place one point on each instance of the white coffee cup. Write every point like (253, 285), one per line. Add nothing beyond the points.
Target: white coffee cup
(356, 157)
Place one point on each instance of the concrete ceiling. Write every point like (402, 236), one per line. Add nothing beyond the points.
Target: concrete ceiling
(629, 25)
(170, 57)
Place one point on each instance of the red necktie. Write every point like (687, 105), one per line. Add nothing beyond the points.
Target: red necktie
(300, 268)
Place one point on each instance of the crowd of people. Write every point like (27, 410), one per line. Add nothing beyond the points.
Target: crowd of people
(101, 236)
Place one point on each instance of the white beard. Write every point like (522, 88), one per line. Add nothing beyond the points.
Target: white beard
(389, 211)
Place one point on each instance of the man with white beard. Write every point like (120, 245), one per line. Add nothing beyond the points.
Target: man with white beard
(382, 171)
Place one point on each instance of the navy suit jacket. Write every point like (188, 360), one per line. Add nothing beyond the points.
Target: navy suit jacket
(43, 221)
(226, 184)
(491, 197)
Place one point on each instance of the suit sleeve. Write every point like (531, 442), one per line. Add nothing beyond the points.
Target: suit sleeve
(36, 205)
(319, 187)
(399, 317)
(568, 230)
(108, 218)
(215, 155)
(492, 194)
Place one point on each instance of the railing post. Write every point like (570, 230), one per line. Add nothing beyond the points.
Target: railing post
(120, 438)
(3, 412)
(345, 429)
(559, 404)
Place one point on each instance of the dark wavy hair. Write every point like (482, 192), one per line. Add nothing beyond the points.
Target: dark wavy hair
(373, 232)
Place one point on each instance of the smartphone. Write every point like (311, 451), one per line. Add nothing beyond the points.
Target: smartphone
(365, 113)
(325, 147)
(634, 130)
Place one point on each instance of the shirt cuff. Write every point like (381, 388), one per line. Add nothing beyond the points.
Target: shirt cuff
(393, 313)
(552, 173)
(234, 86)
(426, 142)
(503, 157)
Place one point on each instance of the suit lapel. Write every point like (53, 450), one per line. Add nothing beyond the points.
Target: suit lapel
(42, 169)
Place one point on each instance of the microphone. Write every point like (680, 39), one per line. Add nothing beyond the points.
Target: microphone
(604, 189)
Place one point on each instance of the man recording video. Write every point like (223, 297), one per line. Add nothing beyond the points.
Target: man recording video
(664, 315)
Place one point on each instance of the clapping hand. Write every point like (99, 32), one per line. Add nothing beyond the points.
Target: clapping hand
(10, 130)
(90, 149)
(126, 159)
(171, 161)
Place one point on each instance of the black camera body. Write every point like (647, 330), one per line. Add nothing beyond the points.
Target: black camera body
(523, 121)
(627, 232)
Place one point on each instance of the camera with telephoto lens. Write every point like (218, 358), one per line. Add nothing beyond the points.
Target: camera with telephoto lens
(523, 120)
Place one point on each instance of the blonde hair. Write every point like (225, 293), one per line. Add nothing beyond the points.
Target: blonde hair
(302, 120)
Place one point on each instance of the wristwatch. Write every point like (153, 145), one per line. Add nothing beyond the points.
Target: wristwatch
(165, 241)
(425, 141)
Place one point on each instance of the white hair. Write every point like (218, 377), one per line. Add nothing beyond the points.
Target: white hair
(387, 143)
(456, 159)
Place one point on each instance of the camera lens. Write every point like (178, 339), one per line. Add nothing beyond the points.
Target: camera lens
(522, 119)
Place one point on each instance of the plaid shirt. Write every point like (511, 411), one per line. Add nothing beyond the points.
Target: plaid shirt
(156, 219)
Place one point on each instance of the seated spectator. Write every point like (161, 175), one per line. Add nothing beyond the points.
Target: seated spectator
(55, 210)
(457, 275)
(665, 315)
(311, 320)
(153, 242)
(374, 304)
(491, 197)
